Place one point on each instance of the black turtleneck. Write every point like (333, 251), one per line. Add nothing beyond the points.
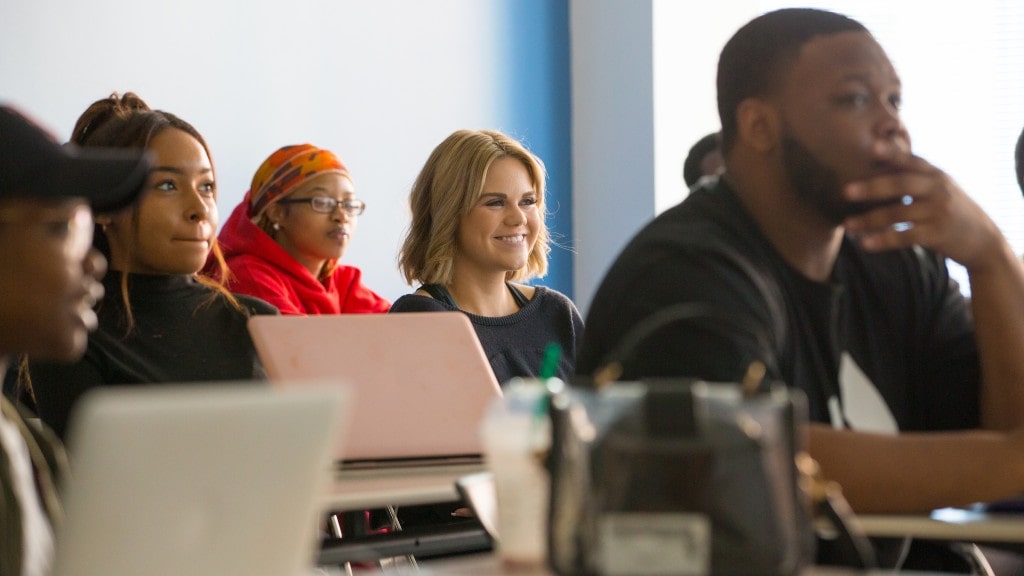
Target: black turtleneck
(183, 332)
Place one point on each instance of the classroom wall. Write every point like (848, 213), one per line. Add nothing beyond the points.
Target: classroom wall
(379, 82)
(612, 132)
(534, 104)
(643, 92)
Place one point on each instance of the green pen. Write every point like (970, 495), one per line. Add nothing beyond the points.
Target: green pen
(552, 354)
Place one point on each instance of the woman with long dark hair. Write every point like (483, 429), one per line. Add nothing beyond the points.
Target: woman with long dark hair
(160, 319)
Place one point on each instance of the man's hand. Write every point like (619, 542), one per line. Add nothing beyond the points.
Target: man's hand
(926, 208)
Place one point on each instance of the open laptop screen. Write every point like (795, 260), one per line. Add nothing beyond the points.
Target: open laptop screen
(213, 479)
(420, 382)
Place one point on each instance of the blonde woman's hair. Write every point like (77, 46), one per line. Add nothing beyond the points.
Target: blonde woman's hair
(446, 189)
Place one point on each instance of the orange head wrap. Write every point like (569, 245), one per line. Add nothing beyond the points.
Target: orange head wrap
(286, 169)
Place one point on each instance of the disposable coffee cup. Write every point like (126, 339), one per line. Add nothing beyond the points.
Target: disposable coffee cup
(516, 436)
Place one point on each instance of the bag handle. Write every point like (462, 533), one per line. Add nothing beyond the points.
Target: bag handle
(848, 545)
(611, 367)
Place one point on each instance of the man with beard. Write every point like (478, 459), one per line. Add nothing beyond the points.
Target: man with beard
(820, 252)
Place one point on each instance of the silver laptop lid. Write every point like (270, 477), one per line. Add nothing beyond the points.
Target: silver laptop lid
(199, 479)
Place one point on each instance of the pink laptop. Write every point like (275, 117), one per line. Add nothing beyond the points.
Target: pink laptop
(419, 383)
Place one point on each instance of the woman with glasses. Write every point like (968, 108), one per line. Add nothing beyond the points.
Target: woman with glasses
(477, 232)
(283, 241)
(160, 320)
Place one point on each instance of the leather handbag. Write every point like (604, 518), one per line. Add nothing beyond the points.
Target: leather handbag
(677, 477)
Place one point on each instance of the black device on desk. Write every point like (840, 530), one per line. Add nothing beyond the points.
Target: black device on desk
(420, 541)
(1007, 506)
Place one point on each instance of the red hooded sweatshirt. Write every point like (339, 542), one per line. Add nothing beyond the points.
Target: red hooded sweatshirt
(260, 267)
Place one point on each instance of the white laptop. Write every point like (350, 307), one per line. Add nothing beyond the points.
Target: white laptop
(212, 479)
(420, 382)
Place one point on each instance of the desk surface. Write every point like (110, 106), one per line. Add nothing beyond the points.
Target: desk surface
(400, 486)
(374, 488)
(491, 565)
(949, 524)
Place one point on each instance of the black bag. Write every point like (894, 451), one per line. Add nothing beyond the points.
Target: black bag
(678, 477)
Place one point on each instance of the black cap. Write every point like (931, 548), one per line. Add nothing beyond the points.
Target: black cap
(34, 165)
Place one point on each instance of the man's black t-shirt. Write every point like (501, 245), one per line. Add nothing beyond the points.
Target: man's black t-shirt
(887, 328)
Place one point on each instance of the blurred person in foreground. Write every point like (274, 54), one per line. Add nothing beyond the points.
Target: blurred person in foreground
(49, 281)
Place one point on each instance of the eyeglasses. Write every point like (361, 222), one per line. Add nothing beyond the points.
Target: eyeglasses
(327, 205)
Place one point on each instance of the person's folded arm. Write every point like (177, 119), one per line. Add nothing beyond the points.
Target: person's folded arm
(915, 473)
(997, 300)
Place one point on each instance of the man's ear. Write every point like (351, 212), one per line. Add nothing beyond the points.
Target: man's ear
(758, 124)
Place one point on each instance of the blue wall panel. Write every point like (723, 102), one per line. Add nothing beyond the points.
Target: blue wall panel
(536, 109)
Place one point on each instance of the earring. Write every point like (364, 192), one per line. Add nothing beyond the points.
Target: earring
(276, 226)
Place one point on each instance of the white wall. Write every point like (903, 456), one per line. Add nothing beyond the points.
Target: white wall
(643, 93)
(687, 40)
(612, 132)
(379, 82)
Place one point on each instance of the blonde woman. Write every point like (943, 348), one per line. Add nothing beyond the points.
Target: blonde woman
(477, 233)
